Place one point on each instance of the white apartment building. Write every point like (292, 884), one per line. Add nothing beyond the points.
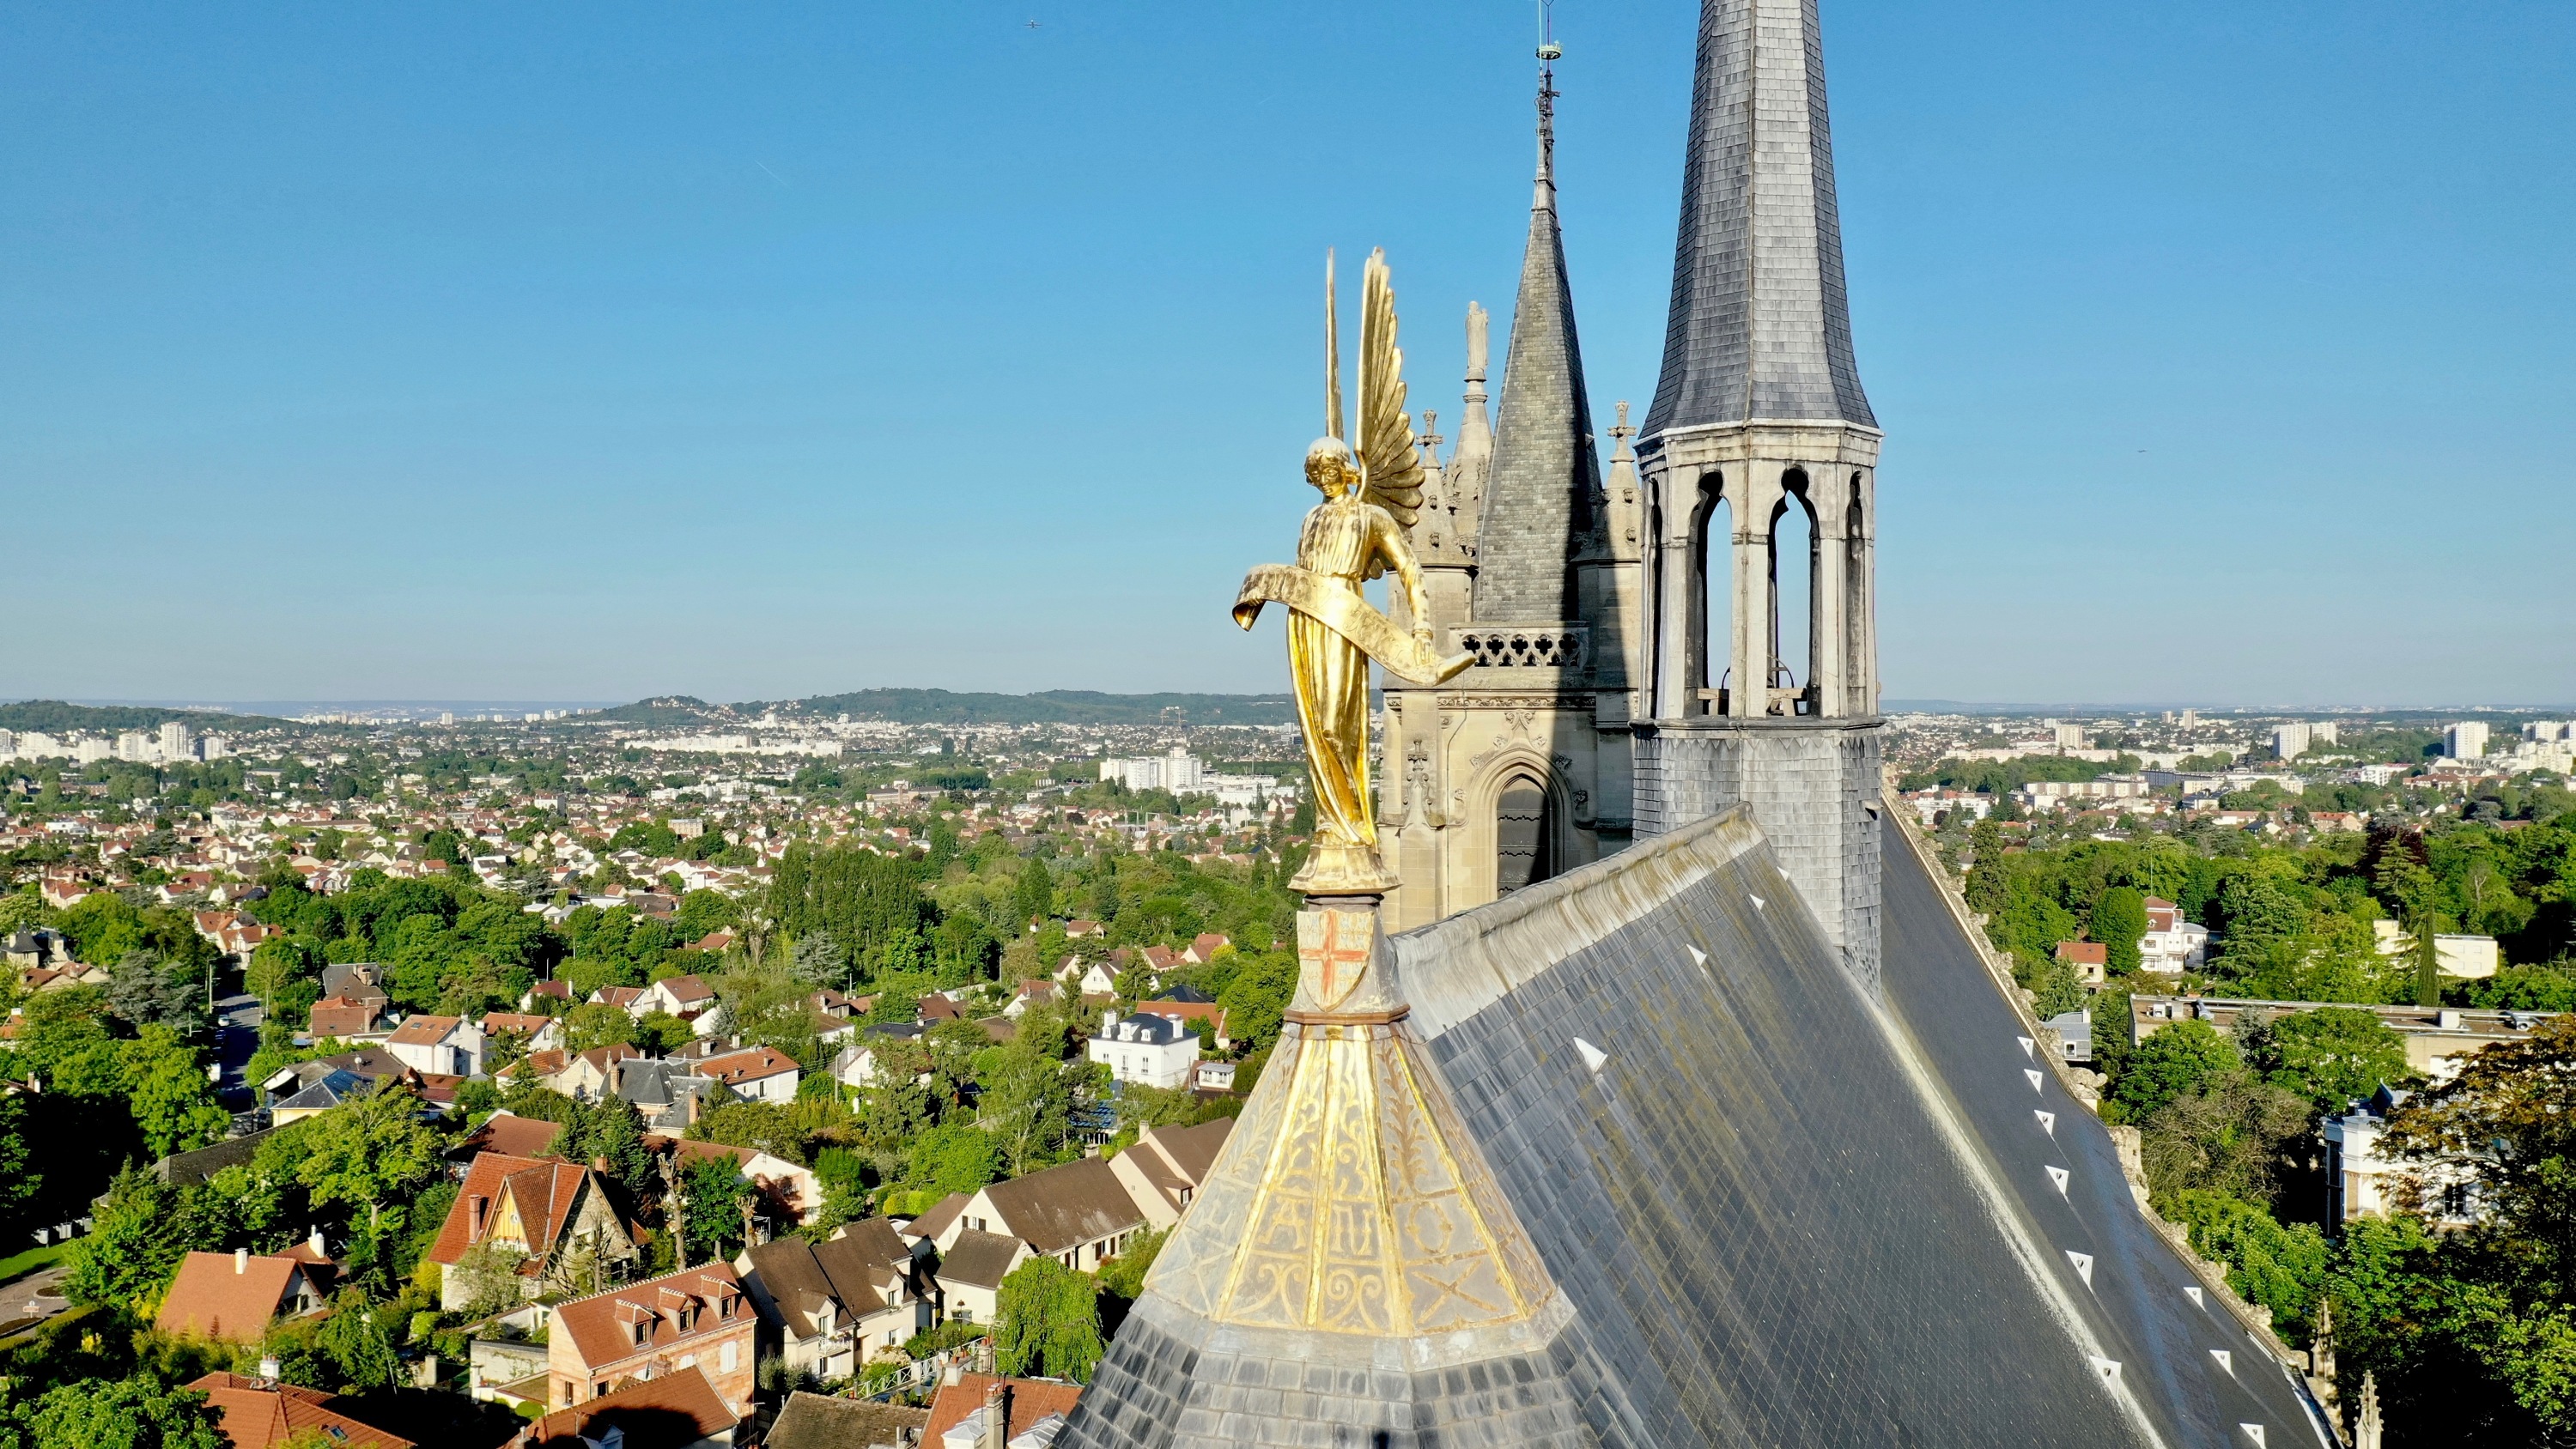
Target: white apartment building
(2465, 740)
(2361, 1181)
(2290, 741)
(1179, 771)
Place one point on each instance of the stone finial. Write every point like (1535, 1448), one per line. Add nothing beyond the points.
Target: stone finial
(1477, 317)
(2367, 1429)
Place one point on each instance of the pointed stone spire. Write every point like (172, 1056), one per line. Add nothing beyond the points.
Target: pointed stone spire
(1544, 470)
(1759, 326)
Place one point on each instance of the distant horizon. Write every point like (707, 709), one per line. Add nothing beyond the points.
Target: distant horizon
(274, 707)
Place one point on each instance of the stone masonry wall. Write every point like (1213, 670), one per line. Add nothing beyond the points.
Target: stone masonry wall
(1814, 790)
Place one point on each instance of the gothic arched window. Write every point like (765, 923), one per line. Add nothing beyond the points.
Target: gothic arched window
(1521, 836)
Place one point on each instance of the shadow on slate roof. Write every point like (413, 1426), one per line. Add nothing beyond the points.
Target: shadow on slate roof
(1783, 1215)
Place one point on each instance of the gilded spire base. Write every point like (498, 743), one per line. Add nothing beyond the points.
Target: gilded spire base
(1337, 868)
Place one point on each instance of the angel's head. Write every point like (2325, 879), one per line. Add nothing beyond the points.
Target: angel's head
(1329, 467)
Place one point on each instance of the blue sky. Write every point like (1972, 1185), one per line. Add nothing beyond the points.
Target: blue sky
(583, 352)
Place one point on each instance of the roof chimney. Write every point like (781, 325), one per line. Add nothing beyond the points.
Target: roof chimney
(997, 1415)
(316, 1242)
(241, 1261)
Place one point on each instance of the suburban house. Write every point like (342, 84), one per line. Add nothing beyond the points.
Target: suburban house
(550, 1222)
(624, 998)
(357, 981)
(971, 1273)
(681, 1409)
(669, 1094)
(341, 1019)
(1078, 1213)
(979, 1411)
(1203, 947)
(445, 1045)
(1153, 1051)
(542, 1033)
(762, 1074)
(695, 1318)
(235, 1296)
(2171, 944)
(582, 1076)
(829, 1307)
(556, 996)
(2091, 960)
(2361, 1182)
(689, 998)
(1032, 993)
(855, 1065)
(1168, 1165)
(261, 1413)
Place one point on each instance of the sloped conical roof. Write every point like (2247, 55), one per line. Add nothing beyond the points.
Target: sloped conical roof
(1759, 327)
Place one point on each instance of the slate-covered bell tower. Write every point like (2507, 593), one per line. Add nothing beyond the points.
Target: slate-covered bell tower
(1759, 461)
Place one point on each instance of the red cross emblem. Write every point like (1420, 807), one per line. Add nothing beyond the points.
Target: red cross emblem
(1321, 950)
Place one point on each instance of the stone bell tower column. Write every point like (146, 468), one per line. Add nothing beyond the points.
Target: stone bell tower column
(1758, 414)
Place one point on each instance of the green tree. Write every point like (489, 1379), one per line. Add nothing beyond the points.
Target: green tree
(2119, 920)
(595, 1024)
(1046, 1323)
(713, 1193)
(1256, 998)
(368, 1152)
(761, 1126)
(138, 1233)
(130, 1413)
(954, 1158)
(2281, 1268)
(357, 1339)
(174, 1104)
(2334, 1055)
(2178, 1058)
(1124, 1275)
(20, 1182)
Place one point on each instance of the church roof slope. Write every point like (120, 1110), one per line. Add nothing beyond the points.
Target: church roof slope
(1760, 326)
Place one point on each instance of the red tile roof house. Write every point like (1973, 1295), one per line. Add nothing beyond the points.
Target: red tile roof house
(441, 1045)
(552, 991)
(961, 1412)
(260, 1413)
(689, 998)
(235, 1296)
(695, 1318)
(550, 1222)
(763, 1074)
(677, 1410)
(341, 1019)
(1204, 947)
(2091, 959)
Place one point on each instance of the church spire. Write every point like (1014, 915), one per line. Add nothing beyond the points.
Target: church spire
(1759, 326)
(1544, 470)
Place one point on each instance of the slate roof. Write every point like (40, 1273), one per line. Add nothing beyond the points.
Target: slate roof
(1780, 1214)
(936, 1221)
(187, 1169)
(814, 1421)
(979, 1260)
(800, 1277)
(257, 1415)
(669, 1411)
(1064, 1207)
(1759, 325)
(1539, 487)
(325, 1092)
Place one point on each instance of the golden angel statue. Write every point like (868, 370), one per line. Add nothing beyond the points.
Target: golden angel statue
(1371, 495)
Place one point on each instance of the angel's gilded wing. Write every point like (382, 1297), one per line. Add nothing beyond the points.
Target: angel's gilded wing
(1390, 463)
(1332, 354)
